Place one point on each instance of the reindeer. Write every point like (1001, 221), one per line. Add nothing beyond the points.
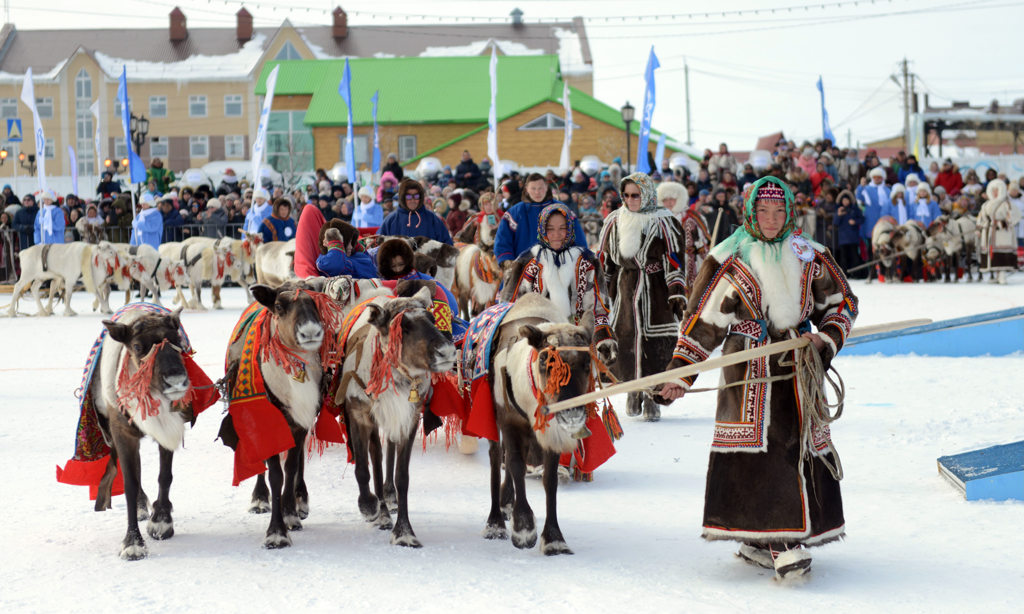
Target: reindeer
(391, 354)
(881, 245)
(142, 263)
(531, 344)
(478, 275)
(910, 238)
(63, 264)
(140, 387)
(444, 256)
(203, 262)
(275, 262)
(950, 243)
(297, 314)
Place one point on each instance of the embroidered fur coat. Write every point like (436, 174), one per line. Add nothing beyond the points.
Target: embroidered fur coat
(760, 487)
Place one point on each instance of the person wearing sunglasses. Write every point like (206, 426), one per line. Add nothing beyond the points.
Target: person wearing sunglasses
(412, 218)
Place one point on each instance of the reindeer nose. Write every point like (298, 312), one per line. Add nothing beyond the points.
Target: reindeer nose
(309, 334)
(176, 380)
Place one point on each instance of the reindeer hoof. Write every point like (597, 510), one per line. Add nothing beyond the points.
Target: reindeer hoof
(369, 507)
(383, 521)
(273, 541)
(524, 539)
(292, 522)
(554, 548)
(160, 530)
(408, 540)
(302, 508)
(143, 513)
(133, 548)
(391, 498)
(259, 507)
(495, 532)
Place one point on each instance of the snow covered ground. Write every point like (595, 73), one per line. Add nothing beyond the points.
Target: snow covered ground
(913, 543)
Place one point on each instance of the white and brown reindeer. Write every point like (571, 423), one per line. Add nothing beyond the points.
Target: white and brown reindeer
(298, 343)
(391, 354)
(909, 238)
(950, 245)
(275, 262)
(444, 255)
(143, 264)
(140, 387)
(64, 264)
(477, 274)
(203, 263)
(882, 249)
(537, 357)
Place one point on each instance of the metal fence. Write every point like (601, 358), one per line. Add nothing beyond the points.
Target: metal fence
(179, 233)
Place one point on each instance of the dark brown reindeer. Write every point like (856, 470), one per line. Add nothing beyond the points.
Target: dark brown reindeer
(141, 371)
(293, 350)
(391, 354)
(524, 360)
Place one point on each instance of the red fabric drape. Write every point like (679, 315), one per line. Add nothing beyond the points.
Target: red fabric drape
(306, 236)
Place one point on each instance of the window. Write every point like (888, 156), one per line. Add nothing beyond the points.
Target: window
(158, 106)
(84, 132)
(158, 147)
(83, 85)
(199, 146)
(233, 105)
(361, 144)
(234, 146)
(197, 106)
(117, 108)
(50, 149)
(288, 52)
(120, 150)
(44, 106)
(8, 107)
(406, 147)
(289, 142)
(548, 121)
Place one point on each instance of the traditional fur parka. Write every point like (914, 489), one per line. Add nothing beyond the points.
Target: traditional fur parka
(768, 480)
(569, 277)
(997, 222)
(640, 258)
(696, 238)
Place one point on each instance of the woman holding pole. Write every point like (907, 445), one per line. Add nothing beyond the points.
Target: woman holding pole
(773, 476)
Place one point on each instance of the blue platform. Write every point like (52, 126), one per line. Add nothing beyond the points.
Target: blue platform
(993, 473)
(994, 334)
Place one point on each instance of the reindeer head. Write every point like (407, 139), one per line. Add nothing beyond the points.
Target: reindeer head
(106, 261)
(295, 312)
(250, 242)
(140, 337)
(424, 348)
(571, 368)
(175, 274)
(933, 248)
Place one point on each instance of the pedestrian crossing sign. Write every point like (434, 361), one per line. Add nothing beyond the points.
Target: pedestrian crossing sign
(13, 130)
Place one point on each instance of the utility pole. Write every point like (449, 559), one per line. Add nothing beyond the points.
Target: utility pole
(686, 75)
(849, 135)
(906, 107)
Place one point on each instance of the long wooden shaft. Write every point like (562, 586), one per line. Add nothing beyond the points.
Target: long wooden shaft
(896, 255)
(714, 233)
(716, 363)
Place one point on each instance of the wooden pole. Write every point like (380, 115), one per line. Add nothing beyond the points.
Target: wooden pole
(714, 235)
(716, 363)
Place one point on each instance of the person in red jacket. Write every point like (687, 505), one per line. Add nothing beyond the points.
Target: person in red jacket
(949, 177)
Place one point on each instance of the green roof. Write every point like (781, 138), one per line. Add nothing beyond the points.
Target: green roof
(443, 90)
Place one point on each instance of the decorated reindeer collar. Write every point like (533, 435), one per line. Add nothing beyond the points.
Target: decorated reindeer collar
(133, 388)
(271, 348)
(386, 362)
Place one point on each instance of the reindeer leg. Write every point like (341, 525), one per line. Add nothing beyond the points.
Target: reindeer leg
(402, 534)
(277, 532)
(40, 310)
(508, 490)
(383, 521)
(215, 290)
(524, 526)
(133, 547)
(161, 525)
(495, 528)
(551, 540)
(291, 517)
(301, 494)
(390, 494)
(260, 497)
(368, 504)
(106, 482)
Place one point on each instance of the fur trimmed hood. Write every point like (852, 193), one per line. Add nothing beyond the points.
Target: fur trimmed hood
(848, 194)
(388, 252)
(403, 189)
(996, 189)
(349, 234)
(671, 189)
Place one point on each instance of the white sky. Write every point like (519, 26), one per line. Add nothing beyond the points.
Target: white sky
(750, 75)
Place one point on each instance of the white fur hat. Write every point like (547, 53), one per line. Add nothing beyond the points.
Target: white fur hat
(47, 194)
(924, 187)
(914, 177)
(878, 171)
(213, 203)
(898, 187)
(996, 189)
(147, 199)
(366, 191)
(261, 193)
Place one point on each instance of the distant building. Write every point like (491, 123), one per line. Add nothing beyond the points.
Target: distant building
(196, 85)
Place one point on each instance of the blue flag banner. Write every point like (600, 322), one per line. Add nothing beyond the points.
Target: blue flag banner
(659, 153)
(376, 137)
(136, 169)
(345, 89)
(826, 132)
(645, 121)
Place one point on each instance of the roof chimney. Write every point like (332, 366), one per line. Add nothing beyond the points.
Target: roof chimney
(243, 25)
(340, 27)
(517, 17)
(178, 30)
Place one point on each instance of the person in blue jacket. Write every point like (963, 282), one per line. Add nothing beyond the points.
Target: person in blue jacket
(279, 226)
(395, 263)
(49, 224)
(926, 210)
(148, 225)
(259, 211)
(848, 220)
(875, 196)
(411, 218)
(368, 214)
(517, 231)
(342, 254)
(25, 221)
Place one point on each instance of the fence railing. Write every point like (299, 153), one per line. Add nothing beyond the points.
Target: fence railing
(10, 268)
(178, 233)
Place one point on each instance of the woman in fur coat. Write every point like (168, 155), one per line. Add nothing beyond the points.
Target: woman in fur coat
(998, 225)
(641, 246)
(696, 237)
(772, 485)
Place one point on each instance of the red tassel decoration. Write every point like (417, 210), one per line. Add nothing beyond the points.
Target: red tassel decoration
(381, 376)
(135, 387)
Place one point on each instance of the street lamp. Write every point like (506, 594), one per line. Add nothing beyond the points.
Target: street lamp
(3, 156)
(31, 166)
(139, 128)
(114, 165)
(627, 117)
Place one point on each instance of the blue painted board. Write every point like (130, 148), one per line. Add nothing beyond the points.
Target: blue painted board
(992, 473)
(994, 334)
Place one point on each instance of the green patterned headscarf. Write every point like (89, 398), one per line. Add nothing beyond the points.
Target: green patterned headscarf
(766, 189)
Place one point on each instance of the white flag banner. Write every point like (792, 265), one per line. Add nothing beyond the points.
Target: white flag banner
(95, 108)
(259, 145)
(492, 118)
(565, 162)
(28, 96)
